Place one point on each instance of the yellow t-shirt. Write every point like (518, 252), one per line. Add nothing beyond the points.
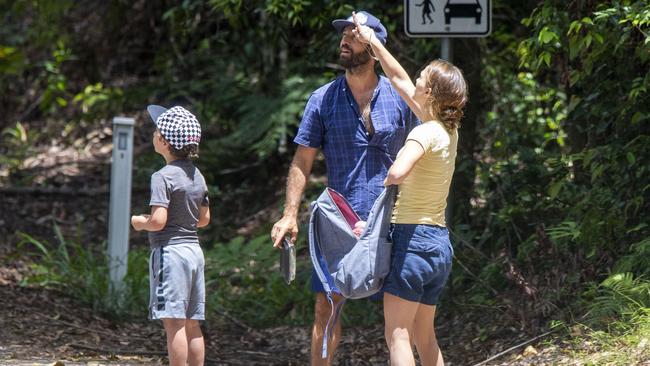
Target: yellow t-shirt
(422, 196)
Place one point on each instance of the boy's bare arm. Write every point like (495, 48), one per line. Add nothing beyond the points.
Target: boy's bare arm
(204, 216)
(154, 222)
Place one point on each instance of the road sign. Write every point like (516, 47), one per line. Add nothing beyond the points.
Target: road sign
(447, 18)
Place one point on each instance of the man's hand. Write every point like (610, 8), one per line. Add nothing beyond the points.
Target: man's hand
(358, 228)
(286, 225)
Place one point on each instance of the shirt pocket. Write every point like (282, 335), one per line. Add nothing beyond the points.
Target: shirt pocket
(341, 130)
(390, 132)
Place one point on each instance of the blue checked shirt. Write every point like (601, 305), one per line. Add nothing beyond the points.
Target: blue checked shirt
(357, 163)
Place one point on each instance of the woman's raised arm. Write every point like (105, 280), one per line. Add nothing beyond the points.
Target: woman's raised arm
(393, 70)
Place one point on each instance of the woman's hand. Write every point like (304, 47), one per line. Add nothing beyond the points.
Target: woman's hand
(362, 33)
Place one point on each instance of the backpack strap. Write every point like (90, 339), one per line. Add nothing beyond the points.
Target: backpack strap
(331, 322)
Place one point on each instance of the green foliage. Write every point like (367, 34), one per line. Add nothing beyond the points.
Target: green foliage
(638, 259)
(56, 93)
(267, 120)
(11, 60)
(97, 100)
(561, 199)
(607, 47)
(17, 142)
(565, 229)
(621, 296)
(618, 318)
(243, 279)
(81, 271)
(622, 344)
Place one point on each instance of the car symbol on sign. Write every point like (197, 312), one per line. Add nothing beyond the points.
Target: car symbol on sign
(463, 9)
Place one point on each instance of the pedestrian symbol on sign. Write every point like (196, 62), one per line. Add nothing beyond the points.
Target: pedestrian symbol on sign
(427, 7)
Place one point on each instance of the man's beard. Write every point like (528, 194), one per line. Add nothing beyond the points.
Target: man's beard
(356, 60)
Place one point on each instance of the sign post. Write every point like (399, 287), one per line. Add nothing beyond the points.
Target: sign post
(120, 201)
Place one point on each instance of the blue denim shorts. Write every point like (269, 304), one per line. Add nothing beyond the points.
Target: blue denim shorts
(420, 262)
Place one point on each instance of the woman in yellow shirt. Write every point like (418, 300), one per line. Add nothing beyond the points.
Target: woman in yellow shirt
(422, 253)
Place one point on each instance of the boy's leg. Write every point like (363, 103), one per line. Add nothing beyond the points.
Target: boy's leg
(176, 341)
(425, 336)
(399, 315)
(322, 313)
(195, 343)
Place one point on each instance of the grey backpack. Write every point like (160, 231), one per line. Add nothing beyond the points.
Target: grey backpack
(354, 267)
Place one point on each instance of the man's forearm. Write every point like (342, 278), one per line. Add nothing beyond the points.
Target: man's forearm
(297, 179)
(296, 182)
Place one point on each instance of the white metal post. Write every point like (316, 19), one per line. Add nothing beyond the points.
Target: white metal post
(120, 201)
(446, 52)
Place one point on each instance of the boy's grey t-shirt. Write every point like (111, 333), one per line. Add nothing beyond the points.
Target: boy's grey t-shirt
(181, 188)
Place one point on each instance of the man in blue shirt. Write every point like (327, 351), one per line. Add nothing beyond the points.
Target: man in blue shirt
(360, 122)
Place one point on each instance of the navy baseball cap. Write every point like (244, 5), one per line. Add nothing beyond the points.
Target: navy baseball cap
(364, 18)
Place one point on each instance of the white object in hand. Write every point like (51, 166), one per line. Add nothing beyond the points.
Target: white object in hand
(358, 228)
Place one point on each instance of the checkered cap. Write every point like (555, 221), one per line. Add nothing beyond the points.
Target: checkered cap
(177, 125)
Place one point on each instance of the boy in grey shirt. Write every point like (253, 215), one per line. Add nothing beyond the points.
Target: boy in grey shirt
(179, 205)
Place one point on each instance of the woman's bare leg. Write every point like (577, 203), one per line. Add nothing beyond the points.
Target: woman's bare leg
(425, 336)
(399, 315)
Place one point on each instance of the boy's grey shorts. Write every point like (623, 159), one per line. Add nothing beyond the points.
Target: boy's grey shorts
(176, 282)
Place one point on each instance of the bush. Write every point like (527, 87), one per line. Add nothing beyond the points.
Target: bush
(82, 272)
